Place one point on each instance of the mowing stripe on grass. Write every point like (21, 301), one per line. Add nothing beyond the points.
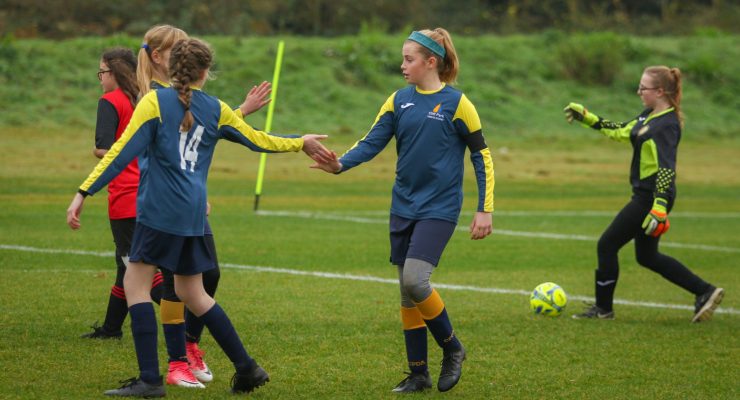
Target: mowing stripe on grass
(369, 278)
(505, 232)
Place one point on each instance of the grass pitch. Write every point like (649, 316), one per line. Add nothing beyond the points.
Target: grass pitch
(309, 288)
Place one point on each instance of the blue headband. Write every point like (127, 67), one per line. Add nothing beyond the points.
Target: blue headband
(427, 42)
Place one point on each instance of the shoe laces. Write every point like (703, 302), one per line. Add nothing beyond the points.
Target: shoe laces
(408, 377)
(244, 386)
(195, 356)
(702, 298)
(128, 382)
(179, 366)
(96, 327)
(447, 358)
(590, 308)
(447, 363)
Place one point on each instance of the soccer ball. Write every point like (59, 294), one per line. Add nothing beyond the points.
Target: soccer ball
(548, 299)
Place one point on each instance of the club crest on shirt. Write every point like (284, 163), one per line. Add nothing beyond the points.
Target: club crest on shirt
(434, 114)
(643, 130)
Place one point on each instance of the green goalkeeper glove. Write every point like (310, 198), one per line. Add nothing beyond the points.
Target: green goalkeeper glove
(656, 222)
(580, 113)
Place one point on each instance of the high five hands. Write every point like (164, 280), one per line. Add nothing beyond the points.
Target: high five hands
(313, 148)
(332, 165)
(257, 98)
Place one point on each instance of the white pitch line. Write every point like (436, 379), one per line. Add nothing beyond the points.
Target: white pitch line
(504, 232)
(56, 251)
(611, 214)
(555, 213)
(369, 278)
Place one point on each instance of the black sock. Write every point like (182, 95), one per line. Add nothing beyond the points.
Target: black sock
(117, 310)
(606, 283)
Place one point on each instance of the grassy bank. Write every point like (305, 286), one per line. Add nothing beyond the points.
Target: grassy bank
(519, 84)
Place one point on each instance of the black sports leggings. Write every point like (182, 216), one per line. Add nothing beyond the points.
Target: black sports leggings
(627, 225)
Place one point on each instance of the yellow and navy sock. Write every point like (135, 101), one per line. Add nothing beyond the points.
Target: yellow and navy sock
(415, 335)
(223, 331)
(144, 332)
(435, 316)
(173, 325)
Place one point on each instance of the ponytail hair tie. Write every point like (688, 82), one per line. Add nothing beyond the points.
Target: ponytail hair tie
(145, 47)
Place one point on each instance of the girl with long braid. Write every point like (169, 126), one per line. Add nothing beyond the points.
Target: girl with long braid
(182, 329)
(174, 131)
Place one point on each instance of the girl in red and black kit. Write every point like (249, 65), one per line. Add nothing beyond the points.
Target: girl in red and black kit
(654, 135)
(117, 75)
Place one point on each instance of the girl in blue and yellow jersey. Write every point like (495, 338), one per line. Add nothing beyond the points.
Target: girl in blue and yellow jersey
(433, 123)
(117, 75)
(654, 135)
(175, 130)
(182, 330)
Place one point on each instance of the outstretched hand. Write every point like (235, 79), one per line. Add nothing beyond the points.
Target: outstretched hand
(332, 166)
(256, 98)
(313, 148)
(575, 111)
(74, 210)
(481, 226)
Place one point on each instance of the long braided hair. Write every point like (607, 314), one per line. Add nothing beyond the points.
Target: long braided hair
(188, 59)
(122, 65)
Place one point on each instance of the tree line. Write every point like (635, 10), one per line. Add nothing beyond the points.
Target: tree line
(73, 18)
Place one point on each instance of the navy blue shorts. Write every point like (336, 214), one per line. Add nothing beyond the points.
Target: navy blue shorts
(183, 255)
(420, 239)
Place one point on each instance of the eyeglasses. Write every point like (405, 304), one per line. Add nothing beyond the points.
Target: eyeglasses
(101, 72)
(641, 88)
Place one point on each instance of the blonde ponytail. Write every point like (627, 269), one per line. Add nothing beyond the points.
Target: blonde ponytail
(159, 38)
(669, 79)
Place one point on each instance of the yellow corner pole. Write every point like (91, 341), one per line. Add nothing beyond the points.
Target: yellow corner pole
(268, 122)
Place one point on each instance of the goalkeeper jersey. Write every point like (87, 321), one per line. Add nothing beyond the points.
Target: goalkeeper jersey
(432, 130)
(172, 188)
(654, 140)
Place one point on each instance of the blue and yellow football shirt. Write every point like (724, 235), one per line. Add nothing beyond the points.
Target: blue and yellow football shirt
(172, 188)
(432, 130)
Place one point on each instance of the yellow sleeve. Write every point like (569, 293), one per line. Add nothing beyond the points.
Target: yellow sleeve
(133, 141)
(468, 114)
(235, 129)
(467, 122)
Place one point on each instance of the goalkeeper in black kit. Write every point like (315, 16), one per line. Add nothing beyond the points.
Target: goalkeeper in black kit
(654, 135)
